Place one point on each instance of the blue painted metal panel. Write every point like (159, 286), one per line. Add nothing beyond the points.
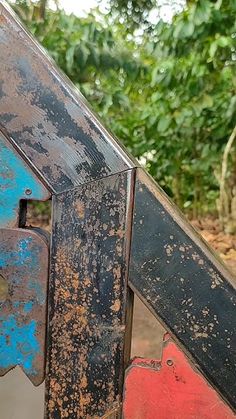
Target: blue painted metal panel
(17, 181)
(23, 293)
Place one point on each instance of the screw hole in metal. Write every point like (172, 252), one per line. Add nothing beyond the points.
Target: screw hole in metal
(28, 192)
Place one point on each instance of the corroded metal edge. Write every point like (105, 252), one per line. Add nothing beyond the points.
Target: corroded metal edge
(87, 299)
(48, 120)
(24, 266)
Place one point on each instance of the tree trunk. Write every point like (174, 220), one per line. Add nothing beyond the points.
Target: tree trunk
(43, 4)
(224, 204)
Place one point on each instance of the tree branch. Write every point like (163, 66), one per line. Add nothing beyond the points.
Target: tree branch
(223, 202)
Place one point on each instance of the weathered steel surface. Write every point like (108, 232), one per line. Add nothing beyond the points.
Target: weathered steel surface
(51, 127)
(47, 118)
(176, 276)
(23, 292)
(17, 181)
(170, 389)
(23, 274)
(87, 299)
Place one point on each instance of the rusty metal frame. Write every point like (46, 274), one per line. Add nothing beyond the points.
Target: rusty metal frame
(95, 186)
(87, 298)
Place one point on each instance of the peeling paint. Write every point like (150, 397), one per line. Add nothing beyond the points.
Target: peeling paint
(24, 267)
(48, 119)
(88, 299)
(15, 179)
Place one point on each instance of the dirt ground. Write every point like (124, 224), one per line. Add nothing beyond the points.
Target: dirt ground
(20, 400)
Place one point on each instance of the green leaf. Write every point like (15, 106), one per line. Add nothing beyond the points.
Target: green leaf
(213, 49)
(82, 54)
(202, 12)
(224, 41)
(70, 58)
(163, 123)
(184, 29)
(187, 204)
(207, 101)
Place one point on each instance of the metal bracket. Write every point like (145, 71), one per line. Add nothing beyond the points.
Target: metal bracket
(23, 298)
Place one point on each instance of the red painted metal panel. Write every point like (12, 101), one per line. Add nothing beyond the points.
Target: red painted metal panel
(170, 389)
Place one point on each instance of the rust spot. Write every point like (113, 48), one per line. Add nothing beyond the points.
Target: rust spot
(80, 209)
(113, 414)
(3, 289)
(2, 19)
(116, 305)
(88, 289)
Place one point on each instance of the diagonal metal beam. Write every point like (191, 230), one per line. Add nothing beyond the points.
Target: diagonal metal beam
(184, 285)
(47, 118)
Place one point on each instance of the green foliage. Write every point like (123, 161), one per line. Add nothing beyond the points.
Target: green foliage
(194, 92)
(170, 96)
(134, 11)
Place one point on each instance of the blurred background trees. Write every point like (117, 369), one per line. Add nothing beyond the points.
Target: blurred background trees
(164, 83)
